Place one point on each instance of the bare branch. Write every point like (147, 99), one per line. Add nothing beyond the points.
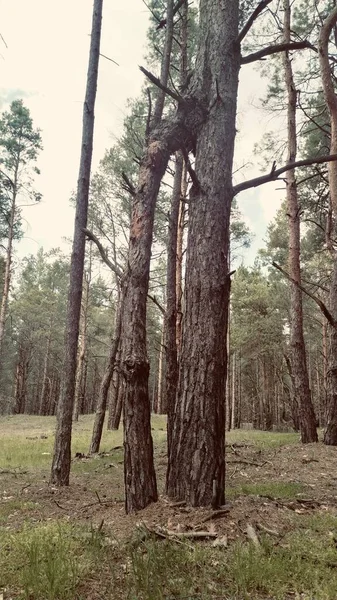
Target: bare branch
(274, 50)
(128, 184)
(319, 302)
(157, 82)
(111, 59)
(91, 236)
(275, 173)
(157, 303)
(179, 4)
(260, 7)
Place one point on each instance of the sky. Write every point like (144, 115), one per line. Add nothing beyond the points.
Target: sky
(44, 62)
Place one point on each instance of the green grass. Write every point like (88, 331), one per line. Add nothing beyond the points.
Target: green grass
(276, 489)
(11, 506)
(22, 447)
(303, 565)
(262, 439)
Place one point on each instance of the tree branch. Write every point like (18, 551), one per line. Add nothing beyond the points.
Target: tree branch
(275, 49)
(157, 303)
(275, 173)
(128, 184)
(260, 7)
(91, 236)
(179, 4)
(157, 82)
(113, 267)
(319, 302)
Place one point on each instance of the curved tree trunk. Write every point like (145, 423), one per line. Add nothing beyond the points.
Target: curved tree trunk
(196, 470)
(60, 470)
(297, 345)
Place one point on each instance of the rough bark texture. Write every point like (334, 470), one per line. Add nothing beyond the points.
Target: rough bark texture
(196, 471)
(62, 449)
(297, 345)
(171, 299)
(139, 473)
(169, 136)
(330, 436)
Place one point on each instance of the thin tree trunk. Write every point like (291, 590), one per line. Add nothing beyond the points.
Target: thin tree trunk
(233, 423)
(161, 393)
(116, 383)
(62, 450)
(106, 381)
(82, 346)
(179, 260)
(330, 437)
(8, 263)
(196, 470)
(44, 391)
(298, 353)
(171, 299)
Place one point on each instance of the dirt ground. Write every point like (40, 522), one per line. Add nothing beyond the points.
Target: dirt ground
(96, 492)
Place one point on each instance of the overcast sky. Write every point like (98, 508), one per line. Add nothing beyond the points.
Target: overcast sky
(45, 63)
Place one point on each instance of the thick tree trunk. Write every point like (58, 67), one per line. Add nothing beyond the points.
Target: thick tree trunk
(196, 470)
(297, 345)
(163, 139)
(330, 436)
(62, 450)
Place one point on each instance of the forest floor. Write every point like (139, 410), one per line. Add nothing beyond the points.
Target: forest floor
(276, 539)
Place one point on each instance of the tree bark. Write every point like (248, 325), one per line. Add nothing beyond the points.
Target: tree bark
(171, 299)
(62, 450)
(297, 345)
(163, 139)
(8, 263)
(196, 470)
(82, 350)
(330, 437)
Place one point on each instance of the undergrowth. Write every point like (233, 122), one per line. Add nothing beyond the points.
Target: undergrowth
(61, 561)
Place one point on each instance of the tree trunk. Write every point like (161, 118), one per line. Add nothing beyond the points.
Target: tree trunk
(171, 298)
(196, 470)
(82, 346)
(106, 381)
(117, 413)
(62, 450)
(330, 436)
(298, 353)
(45, 381)
(233, 407)
(8, 263)
(161, 406)
(114, 388)
(179, 260)
(162, 140)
